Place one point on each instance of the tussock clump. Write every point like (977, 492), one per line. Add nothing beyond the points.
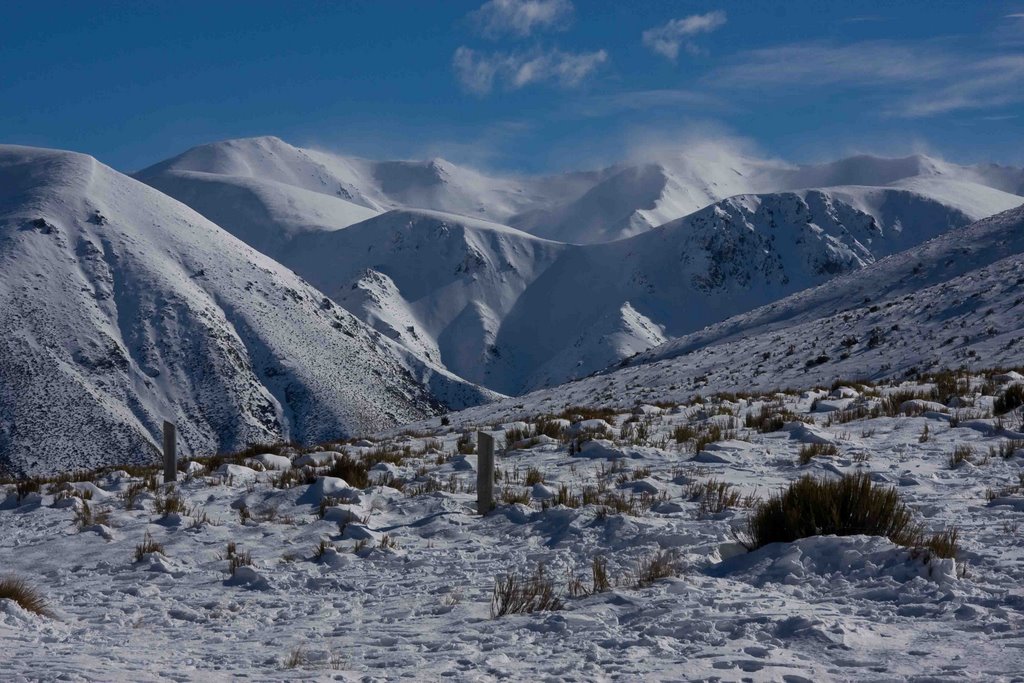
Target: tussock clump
(27, 597)
(356, 473)
(658, 566)
(712, 434)
(86, 517)
(579, 413)
(515, 594)
(549, 427)
(170, 504)
(147, 546)
(812, 450)
(466, 444)
(514, 435)
(684, 433)
(961, 454)
(239, 559)
(844, 507)
(599, 580)
(533, 476)
(1011, 399)
(714, 496)
(512, 495)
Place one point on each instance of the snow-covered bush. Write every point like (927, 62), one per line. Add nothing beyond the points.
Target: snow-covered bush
(848, 506)
(515, 594)
(27, 597)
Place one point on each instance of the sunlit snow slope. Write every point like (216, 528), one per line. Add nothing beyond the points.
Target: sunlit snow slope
(120, 307)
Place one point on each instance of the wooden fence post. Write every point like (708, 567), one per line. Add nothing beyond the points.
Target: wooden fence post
(484, 473)
(170, 452)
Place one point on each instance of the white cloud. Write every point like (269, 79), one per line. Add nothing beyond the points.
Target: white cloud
(907, 79)
(479, 72)
(521, 17)
(666, 40)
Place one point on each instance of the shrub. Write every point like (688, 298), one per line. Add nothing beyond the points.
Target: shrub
(239, 559)
(534, 476)
(27, 597)
(960, 455)
(844, 507)
(809, 451)
(1011, 398)
(658, 566)
(147, 546)
(171, 504)
(356, 473)
(683, 433)
(85, 517)
(523, 595)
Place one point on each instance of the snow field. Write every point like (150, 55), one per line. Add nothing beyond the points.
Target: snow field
(386, 571)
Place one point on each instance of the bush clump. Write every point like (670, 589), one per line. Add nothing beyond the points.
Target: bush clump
(1011, 399)
(523, 595)
(848, 506)
(18, 590)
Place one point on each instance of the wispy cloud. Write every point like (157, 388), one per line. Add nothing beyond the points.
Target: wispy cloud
(480, 72)
(498, 18)
(666, 40)
(914, 79)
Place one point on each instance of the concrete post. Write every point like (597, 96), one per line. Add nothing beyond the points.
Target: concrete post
(484, 473)
(170, 452)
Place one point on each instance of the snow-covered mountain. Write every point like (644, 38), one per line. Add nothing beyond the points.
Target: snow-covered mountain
(513, 312)
(442, 285)
(632, 199)
(121, 307)
(736, 232)
(278, 167)
(726, 259)
(956, 301)
(248, 185)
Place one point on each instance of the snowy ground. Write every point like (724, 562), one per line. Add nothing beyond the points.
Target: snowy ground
(825, 608)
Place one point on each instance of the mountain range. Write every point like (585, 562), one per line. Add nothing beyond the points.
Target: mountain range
(252, 291)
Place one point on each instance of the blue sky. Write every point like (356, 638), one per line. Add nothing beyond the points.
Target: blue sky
(520, 85)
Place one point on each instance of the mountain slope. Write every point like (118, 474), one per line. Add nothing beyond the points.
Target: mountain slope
(954, 272)
(120, 307)
(435, 184)
(733, 256)
(437, 283)
(513, 312)
(955, 301)
(636, 198)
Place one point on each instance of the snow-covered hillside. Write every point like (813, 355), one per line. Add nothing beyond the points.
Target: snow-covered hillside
(513, 312)
(635, 198)
(439, 284)
(434, 184)
(723, 260)
(581, 207)
(955, 301)
(120, 307)
(368, 561)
